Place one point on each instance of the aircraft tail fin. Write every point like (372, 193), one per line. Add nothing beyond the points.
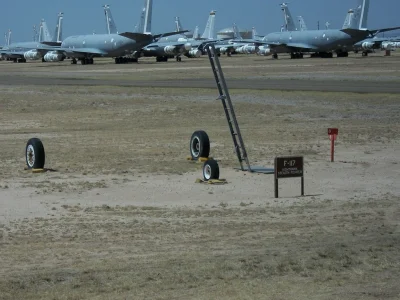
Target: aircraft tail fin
(289, 22)
(303, 26)
(209, 30)
(178, 24)
(196, 32)
(111, 26)
(357, 18)
(363, 23)
(7, 36)
(147, 16)
(46, 37)
(236, 33)
(34, 38)
(144, 25)
(253, 33)
(57, 37)
(349, 19)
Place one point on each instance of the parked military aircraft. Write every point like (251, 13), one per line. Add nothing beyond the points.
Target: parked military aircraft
(123, 47)
(321, 43)
(370, 44)
(22, 51)
(178, 45)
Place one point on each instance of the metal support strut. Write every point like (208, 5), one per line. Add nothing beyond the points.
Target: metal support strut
(228, 107)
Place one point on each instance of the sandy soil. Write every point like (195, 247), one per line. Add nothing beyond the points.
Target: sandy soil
(121, 216)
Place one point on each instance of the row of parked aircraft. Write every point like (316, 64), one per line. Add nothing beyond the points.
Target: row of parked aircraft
(355, 17)
(129, 46)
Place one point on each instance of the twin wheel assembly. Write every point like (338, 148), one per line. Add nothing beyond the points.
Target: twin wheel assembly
(200, 148)
(34, 154)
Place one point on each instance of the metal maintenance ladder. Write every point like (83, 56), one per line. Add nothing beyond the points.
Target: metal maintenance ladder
(228, 108)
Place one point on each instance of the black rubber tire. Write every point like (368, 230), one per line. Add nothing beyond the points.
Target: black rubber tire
(199, 145)
(210, 170)
(34, 154)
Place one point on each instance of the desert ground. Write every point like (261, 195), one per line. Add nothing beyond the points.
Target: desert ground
(119, 214)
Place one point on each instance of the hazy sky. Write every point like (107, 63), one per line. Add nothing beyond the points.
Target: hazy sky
(86, 16)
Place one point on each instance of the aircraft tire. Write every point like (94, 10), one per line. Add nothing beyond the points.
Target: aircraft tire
(210, 170)
(199, 145)
(34, 154)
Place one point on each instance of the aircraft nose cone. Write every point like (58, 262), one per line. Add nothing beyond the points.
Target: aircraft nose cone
(188, 46)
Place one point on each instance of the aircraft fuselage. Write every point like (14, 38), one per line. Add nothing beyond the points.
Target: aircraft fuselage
(318, 40)
(114, 45)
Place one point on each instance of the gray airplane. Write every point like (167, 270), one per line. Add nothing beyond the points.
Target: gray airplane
(161, 49)
(321, 43)
(123, 47)
(23, 51)
(179, 45)
(368, 45)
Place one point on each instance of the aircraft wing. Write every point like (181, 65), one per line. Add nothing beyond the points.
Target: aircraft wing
(83, 51)
(94, 51)
(155, 45)
(139, 37)
(376, 31)
(294, 46)
(157, 36)
(258, 42)
(13, 54)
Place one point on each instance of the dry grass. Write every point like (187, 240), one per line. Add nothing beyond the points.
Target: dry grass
(112, 130)
(307, 251)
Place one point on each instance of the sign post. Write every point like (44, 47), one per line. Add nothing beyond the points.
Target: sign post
(287, 167)
(333, 132)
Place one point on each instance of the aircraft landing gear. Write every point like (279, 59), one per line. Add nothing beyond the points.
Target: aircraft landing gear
(365, 53)
(86, 61)
(296, 55)
(342, 54)
(275, 56)
(161, 58)
(322, 54)
(178, 59)
(73, 61)
(125, 60)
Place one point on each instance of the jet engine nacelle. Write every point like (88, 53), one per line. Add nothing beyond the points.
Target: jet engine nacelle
(387, 45)
(53, 56)
(223, 49)
(193, 53)
(367, 45)
(264, 51)
(248, 49)
(170, 49)
(32, 55)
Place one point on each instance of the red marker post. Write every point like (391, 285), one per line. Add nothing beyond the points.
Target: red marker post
(333, 132)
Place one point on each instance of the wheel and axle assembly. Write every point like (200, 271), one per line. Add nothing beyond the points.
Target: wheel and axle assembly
(34, 154)
(210, 170)
(199, 145)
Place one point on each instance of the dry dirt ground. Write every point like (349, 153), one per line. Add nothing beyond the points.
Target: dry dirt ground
(121, 216)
